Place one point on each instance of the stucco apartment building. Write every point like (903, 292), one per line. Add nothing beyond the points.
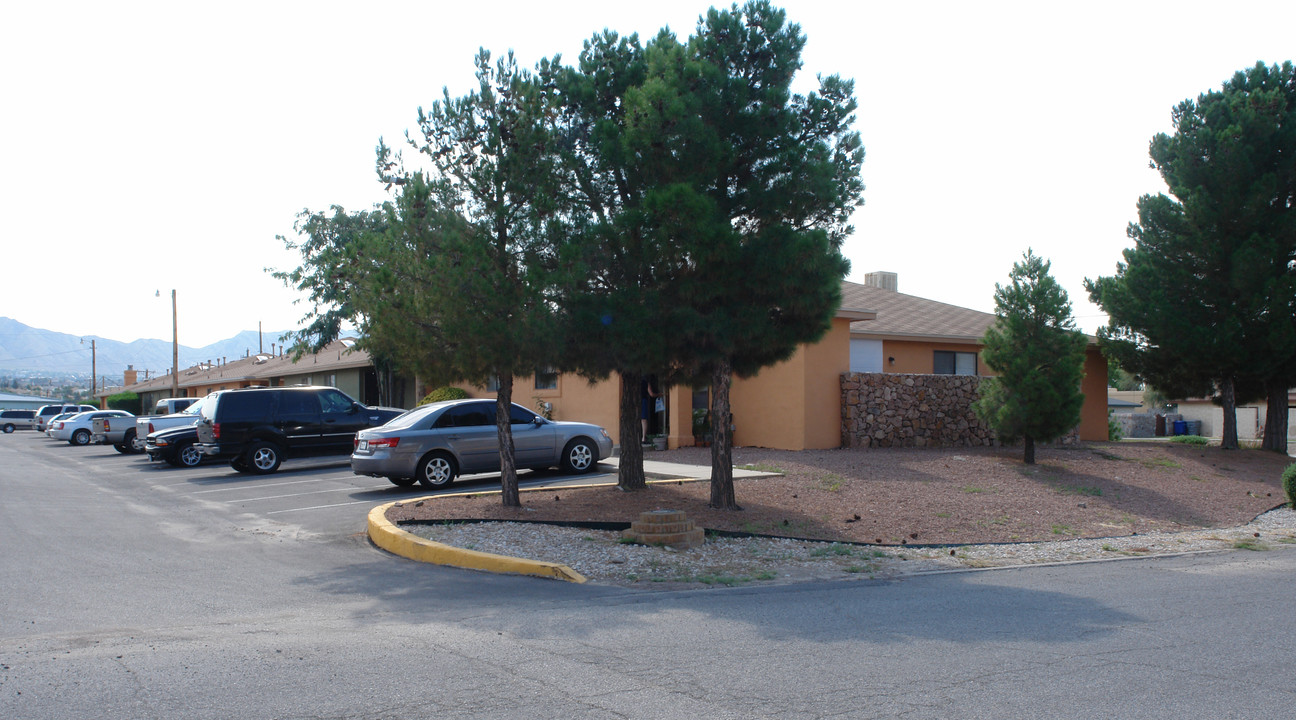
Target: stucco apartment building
(797, 404)
(794, 405)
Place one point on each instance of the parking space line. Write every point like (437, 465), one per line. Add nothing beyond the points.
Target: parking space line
(244, 487)
(321, 507)
(313, 492)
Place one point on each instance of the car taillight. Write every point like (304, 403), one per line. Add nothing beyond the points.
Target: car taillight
(107, 427)
(59, 426)
(150, 427)
(384, 442)
(215, 431)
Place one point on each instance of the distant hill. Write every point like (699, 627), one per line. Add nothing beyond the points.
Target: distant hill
(25, 348)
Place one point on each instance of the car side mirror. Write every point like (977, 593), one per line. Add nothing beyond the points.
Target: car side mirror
(538, 421)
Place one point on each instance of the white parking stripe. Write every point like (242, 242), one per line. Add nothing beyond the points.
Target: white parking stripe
(321, 507)
(313, 492)
(243, 487)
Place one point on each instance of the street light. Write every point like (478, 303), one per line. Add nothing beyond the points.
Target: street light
(175, 346)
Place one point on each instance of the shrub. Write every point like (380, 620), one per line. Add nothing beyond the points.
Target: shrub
(1289, 485)
(1189, 439)
(443, 393)
(1113, 428)
(128, 401)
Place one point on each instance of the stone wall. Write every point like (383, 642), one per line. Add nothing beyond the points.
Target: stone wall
(901, 410)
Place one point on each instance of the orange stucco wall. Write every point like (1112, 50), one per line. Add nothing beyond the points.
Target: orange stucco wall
(1093, 415)
(915, 356)
(796, 404)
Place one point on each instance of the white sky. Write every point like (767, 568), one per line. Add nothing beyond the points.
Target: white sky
(150, 146)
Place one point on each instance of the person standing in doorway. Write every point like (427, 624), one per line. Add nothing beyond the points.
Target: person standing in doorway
(648, 393)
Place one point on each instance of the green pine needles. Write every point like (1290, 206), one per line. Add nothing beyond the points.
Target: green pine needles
(1039, 356)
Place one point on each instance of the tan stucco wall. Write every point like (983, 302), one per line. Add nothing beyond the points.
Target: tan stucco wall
(915, 356)
(796, 404)
(1093, 415)
(575, 398)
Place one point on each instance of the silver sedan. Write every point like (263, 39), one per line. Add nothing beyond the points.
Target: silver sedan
(435, 443)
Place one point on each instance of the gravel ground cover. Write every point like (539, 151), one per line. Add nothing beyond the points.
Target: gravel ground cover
(895, 511)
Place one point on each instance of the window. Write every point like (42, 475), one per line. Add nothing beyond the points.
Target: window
(546, 379)
(492, 385)
(945, 362)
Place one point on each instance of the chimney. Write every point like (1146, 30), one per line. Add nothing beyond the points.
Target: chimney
(883, 280)
(130, 377)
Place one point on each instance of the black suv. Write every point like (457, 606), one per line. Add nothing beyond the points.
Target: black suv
(255, 428)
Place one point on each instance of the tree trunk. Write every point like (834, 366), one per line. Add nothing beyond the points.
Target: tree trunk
(1028, 444)
(508, 461)
(1275, 430)
(722, 489)
(630, 471)
(1228, 401)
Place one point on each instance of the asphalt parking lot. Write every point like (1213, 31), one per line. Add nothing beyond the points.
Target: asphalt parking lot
(316, 495)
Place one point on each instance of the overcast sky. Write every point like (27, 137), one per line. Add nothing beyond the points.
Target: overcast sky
(151, 146)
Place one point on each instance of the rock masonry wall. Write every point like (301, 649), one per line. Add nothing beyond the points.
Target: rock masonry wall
(902, 410)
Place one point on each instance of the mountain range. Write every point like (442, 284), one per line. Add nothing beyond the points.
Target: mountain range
(27, 349)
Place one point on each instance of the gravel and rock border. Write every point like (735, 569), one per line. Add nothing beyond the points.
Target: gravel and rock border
(603, 558)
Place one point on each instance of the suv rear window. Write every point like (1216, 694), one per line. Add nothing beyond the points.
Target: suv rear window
(18, 414)
(238, 406)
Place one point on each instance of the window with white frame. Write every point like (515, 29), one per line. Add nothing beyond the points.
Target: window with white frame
(946, 362)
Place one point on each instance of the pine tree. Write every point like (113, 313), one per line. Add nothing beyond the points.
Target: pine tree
(1039, 357)
(1205, 301)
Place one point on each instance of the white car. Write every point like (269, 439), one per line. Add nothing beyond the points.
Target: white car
(76, 429)
(51, 422)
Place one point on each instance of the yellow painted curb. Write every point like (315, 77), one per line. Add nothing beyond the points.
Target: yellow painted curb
(387, 536)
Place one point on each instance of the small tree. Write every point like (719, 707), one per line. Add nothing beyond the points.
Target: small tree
(1039, 356)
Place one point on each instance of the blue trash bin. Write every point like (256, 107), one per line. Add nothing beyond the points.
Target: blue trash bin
(1180, 427)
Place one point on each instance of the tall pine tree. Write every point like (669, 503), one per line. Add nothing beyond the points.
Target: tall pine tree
(1206, 299)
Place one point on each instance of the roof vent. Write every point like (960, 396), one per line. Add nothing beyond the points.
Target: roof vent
(883, 280)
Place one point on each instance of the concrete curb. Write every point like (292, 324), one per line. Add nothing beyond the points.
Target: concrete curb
(391, 538)
(387, 536)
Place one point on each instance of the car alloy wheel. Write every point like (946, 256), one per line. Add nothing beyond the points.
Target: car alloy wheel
(436, 470)
(579, 456)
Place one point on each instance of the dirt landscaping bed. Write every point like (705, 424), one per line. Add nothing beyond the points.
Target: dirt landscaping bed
(925, 496)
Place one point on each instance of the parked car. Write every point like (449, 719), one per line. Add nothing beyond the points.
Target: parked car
(175, 445)
(11, 420)
(435, 443)
(49, 428)
(77, 429)
(255, 428)
(149, 424)
(45, 412)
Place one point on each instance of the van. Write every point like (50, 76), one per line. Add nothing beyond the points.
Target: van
(11, 420)
(256, 428)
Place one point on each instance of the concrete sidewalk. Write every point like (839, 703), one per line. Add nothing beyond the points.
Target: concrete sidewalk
(669, 470)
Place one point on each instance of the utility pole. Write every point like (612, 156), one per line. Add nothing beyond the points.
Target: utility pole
(175, 349)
